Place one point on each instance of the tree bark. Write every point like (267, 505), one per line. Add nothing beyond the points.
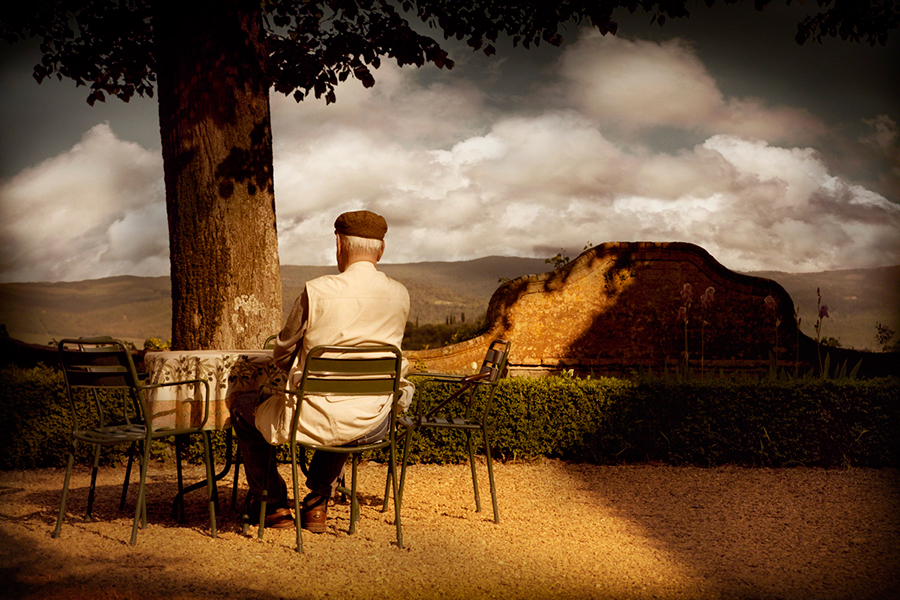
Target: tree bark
(217, 153)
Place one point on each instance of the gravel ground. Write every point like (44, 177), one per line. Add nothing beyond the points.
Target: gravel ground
(566, 531)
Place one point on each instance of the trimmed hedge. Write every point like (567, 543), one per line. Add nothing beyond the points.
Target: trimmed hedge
(34, 418)
(810, 422)
(35, 424)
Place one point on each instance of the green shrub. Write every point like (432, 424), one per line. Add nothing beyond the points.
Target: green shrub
(35, 419)
(813, 422)
(35, 423)
(707, 422)
(772, 423)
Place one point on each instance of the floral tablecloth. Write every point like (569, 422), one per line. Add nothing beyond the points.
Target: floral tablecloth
(228, 372)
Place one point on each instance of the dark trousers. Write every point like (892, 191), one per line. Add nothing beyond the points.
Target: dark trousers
(257, 454)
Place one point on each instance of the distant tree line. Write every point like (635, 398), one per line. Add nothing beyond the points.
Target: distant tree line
(436, 335)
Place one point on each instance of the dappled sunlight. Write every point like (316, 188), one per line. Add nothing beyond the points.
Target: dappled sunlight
(551, 316)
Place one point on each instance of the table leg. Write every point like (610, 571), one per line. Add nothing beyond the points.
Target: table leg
(202, 484)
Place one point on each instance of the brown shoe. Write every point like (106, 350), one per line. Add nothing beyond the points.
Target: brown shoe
(280, 519)
(278, 515)
(314, 514)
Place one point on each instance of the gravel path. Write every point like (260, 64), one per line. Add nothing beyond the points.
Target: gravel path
(566, 531)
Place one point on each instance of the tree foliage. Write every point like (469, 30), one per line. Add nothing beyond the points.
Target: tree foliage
(313, 45)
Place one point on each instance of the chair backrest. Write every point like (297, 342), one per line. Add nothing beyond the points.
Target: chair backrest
(352, 371)
(495, 360)
(97, 364)
(101, 362)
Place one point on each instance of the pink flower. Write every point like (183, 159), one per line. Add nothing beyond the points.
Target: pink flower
(682, 313)
(770, 303)
(708, 296)
(823, 311)
(687, 293)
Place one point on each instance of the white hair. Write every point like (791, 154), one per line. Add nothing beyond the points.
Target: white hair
(360, 246)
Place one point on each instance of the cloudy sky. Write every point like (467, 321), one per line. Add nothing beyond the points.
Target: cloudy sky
(719, 130)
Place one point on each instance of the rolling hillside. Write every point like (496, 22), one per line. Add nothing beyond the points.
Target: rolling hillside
(857, 299)
(136, 308)
(437, 290)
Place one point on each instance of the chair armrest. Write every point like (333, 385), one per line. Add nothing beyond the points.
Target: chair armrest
(476, 377)
(465, 382)
(450, 378)
(277, 389)
(445, 377)
(432, 377)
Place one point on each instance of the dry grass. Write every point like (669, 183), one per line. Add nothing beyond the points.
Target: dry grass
(566, 531)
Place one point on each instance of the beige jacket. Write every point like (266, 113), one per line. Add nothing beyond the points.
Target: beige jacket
(360, 306)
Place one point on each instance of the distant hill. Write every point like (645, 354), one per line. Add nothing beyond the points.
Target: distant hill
(137, 308)
(857, 299)
(132, 308)
(437, 290)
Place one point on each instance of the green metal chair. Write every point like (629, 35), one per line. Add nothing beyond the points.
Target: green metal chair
(346, 371)
(101, 371)
(475, 394)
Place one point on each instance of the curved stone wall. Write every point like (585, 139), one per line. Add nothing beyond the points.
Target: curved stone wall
(616, 309)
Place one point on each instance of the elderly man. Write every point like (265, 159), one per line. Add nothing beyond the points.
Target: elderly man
(359, 306)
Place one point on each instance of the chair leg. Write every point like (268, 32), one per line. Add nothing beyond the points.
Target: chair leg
(212, 493)
(207, 434)
(179, 499)
(354, 503)
(298, 502)
(264, 498)
(471, 449)
(90, 504)
(144, 503)
(140, 511)
(388, 483)
(131, 451)
(398, 495)
(490, 466)
(342, 485)
(237, 473)
(407, 444)
(65, 492)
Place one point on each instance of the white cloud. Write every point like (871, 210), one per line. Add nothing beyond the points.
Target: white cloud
(531, 185)
(458, 181)
(632, 86)
(639, 84)
(399, 107)
(94, 211)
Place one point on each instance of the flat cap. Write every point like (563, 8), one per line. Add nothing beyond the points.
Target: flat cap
(361, 223)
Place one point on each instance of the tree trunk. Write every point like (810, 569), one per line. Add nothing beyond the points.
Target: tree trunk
(217, 153)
